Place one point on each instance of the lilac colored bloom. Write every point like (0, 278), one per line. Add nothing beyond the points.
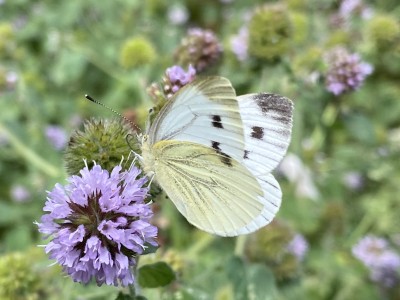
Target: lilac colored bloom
(298, 246)
(239, 44)
(11, 79)
(19, 193)
(383, 262)
(99, 223)
(346, 71)
(353, 180)
(349, 7)
(56, 136)
(176, 77)
(178, 15)
(200, 48)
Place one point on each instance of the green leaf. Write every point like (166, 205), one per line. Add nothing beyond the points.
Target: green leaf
(361, 128)
(9, 214)
(237, 274)
(254, 281)
(122, 296)
(155, 275)
(260, 283)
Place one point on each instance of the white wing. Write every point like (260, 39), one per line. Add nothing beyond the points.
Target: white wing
(214, 192)
(267, 122)
(204, 112)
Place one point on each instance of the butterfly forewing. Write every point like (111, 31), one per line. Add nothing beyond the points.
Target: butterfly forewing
(214, 193)
(267, 123)
(204, 112)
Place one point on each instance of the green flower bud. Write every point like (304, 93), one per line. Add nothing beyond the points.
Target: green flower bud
(175, 260)
(383, 30)
(6, 37)
(300, 26)
(298, 4)
(102, 141)
(137, 51)
(270, 32)
(18, 279)
(308, 61)
(338, 38)
(225, 293)
(333, 218)
(270, 245)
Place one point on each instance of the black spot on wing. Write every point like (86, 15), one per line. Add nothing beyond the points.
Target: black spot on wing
(215, 145)
(277, 104)
(225, 158)
(216, 121)
(246, 154)
(257, 133)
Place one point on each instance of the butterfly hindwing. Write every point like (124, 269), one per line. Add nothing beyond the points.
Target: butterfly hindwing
(216, 194)
(203, 112)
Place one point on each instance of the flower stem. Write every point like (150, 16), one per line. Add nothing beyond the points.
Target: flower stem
(28, 154)
(200, 244)
(132, 290)
(361, 229)
(240, 243)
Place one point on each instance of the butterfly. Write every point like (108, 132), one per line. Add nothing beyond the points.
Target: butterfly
(213, 152)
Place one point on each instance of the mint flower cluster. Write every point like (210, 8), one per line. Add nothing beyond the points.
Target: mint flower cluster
(99, 223)
(346, 71)
(380, 259)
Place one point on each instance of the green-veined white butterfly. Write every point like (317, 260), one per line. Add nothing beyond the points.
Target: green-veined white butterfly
(213, 152)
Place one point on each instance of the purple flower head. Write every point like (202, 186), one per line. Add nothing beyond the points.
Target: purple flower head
(56, 136)
(298, 246)
(383, 262)
(239, 44)
(346, 71)
(176, 77)
(98, 223)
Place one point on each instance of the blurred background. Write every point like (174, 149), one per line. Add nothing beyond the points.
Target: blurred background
(337, 233)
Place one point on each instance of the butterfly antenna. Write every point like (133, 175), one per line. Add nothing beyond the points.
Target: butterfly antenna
(113, 110)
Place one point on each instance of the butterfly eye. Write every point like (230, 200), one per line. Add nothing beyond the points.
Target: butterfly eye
(151, 110)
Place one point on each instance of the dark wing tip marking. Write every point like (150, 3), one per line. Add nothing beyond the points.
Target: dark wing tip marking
(257, 133)
(225, 158)
(216, 121)
(275, 103)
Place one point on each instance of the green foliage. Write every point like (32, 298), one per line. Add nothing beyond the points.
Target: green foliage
(255, 281)
(52, 53)
(155, 275)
